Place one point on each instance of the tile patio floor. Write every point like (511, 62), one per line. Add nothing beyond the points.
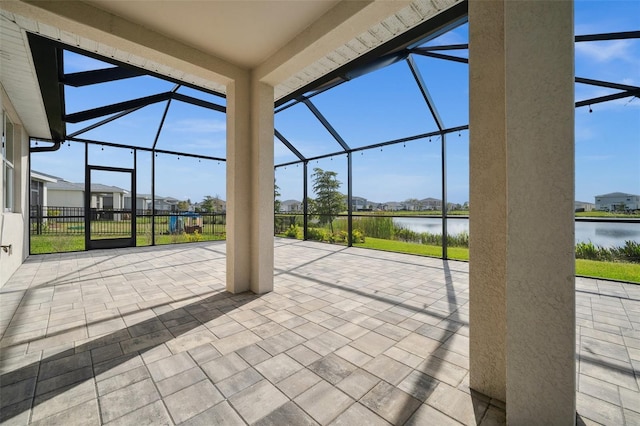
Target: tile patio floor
(349, 336)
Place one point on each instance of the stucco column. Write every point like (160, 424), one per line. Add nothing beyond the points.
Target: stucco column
(522, 267)
(249, 186)
(487, 200)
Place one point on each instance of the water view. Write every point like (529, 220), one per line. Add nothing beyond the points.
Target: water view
(604, 234)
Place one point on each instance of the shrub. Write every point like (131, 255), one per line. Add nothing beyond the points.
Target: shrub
(195, 237)
(357, 236)
(320, 234)
(294, 231)
(630, 252)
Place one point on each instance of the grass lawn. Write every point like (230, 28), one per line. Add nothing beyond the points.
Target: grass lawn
(591, 268)
(607, 214)
(43, 244)
(609, 270)
(458, 253)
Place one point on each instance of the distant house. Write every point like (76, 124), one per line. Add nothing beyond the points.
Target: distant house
(359, 204)
(290, 206)
(39, 187)
(392, 206)
(166, 204)
(143, 201)
(616, 201)
(430, 204)
(583, 206)
(69, 194)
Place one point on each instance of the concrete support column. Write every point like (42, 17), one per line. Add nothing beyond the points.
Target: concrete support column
(522, 267)
(250, 177)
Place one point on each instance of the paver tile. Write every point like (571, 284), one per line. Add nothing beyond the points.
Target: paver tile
(239, 382)
(332, 368)
(298, 382)
(287, 414)
(48, 405)
(180, 381)
(127, 399)
(358, 383)
(258, 401)
(429, 415)
(220, 414)
(223, 367)
(358, 414)
(303, 355)
(83, 414)
(598, 410)
(390, 403)
(388, 369)
(131, 323)
(170, 366)
(192, 400)
(324, 402)
(151, 415)
(122, 380)
(457, 404)
(278, 368)
(372, 343)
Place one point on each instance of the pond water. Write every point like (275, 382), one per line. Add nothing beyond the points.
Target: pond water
(604, 234)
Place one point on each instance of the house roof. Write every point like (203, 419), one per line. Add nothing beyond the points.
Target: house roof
(63, 185)
(618, 194)
(43, 177)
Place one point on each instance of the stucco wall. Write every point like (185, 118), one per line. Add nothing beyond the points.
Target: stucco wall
(13, 229)
(58, 198)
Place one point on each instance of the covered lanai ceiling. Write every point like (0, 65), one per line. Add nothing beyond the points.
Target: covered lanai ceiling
(289, 44)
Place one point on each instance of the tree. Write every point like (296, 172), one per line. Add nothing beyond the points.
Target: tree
(211, 204)
(276, 194)
(329, 201)
(183, 206)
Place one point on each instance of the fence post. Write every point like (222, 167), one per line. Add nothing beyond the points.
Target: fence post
(39, 219)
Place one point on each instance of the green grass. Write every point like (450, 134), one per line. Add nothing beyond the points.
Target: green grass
(609, 270)
(458, 253)
(592, 268)
(607, 214)
(43, 244)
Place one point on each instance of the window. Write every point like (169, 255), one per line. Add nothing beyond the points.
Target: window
(7, 163)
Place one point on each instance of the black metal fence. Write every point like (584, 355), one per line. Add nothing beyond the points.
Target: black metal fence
(47, 220)
(58, 220)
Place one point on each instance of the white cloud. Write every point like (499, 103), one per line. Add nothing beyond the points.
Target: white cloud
(605, 51)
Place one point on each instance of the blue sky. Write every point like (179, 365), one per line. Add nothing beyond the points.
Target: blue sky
(377, 107)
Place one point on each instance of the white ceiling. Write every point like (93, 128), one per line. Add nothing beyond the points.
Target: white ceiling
(244, 33)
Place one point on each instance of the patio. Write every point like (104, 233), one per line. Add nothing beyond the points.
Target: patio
(348, 336)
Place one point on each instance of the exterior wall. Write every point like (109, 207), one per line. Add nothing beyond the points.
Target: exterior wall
(290, 207)
(611, 202)
(58, 198)
(587, 207)
(13, 229)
